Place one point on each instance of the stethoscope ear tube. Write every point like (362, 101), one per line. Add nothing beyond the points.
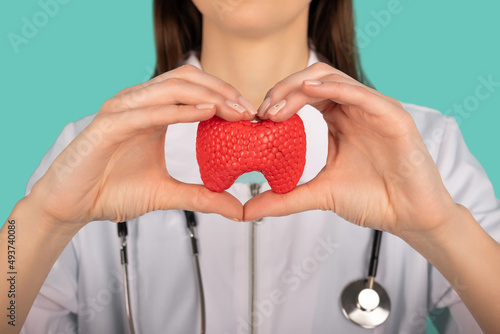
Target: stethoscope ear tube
(122, 233)
(191, 224)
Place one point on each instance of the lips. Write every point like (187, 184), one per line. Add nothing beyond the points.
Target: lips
(226, 150)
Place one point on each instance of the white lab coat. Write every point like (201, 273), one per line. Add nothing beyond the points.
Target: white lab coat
(303, 261)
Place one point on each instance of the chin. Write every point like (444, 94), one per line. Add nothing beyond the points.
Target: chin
(245, 18)
(252, 18)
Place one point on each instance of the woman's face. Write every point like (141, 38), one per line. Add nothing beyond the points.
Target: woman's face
(253, 18)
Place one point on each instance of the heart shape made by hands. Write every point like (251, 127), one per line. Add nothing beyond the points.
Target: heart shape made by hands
(225, 150)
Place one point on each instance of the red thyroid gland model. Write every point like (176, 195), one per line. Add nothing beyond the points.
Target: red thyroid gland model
(225, 150)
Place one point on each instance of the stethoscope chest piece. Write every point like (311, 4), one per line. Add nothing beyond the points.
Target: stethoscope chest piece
(365, 306)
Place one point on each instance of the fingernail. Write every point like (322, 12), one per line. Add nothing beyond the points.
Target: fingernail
(276, 108)
(247, 105)
(236, 220)
(205, 106)
(263, 107)
(236, 106)
(312, 82)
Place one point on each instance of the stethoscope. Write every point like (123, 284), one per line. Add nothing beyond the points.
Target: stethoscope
(191, 225)
(364, 301)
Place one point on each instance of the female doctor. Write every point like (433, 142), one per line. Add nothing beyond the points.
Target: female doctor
(371, 160)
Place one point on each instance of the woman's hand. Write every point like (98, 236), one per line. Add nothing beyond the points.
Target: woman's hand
(378, 172)
(115, 169)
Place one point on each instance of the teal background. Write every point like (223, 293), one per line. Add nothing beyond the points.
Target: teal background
(431, 53)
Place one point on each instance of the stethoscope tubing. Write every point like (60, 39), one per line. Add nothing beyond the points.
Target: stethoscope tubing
(377, 240)
(191, 225)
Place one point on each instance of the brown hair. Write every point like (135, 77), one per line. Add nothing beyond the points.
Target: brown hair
(178, 24)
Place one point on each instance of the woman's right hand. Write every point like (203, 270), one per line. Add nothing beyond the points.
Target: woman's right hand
(115, 168)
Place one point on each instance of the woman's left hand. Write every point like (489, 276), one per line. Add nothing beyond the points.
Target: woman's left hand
(378, 173)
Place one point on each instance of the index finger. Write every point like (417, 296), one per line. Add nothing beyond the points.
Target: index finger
(194, 75)
(282, 89)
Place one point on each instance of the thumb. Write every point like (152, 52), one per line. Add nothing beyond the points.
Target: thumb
(200, 199)
(270, 204)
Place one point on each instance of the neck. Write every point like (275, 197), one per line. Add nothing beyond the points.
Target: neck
(253, 65)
